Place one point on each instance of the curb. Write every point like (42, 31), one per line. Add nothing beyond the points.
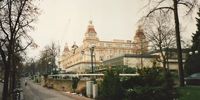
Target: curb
(76, 96)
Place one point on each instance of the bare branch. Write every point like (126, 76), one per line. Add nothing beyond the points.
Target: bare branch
(189, 4)
(23, 48)
(4, 31)
(22, 26)
(185, 4)
(19, 13)
(3, 55)
(160, 8)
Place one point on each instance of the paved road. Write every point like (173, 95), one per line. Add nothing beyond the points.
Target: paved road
(1, 89)
(36, 92)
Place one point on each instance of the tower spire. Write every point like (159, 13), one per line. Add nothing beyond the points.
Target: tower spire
(66, 49)
(140, 32)
(90, 34)
(90, 22)
(140, 40)
(90, 28)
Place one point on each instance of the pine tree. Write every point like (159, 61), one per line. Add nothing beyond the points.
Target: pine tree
(192, 64)
(111, 87)
(196, 36)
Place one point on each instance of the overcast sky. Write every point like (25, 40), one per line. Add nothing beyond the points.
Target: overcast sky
(65, 21)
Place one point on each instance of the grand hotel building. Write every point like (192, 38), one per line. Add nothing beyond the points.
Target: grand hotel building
(78, 58)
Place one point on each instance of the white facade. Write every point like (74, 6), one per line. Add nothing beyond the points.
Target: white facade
(133, 60)
(78, 59)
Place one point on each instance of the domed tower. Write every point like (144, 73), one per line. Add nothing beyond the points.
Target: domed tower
(66, 49)
(90, 35)
(141, 44)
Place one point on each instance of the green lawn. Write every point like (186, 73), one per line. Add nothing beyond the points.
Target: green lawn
(189, 93)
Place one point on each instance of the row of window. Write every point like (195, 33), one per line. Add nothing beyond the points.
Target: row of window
(116, 45)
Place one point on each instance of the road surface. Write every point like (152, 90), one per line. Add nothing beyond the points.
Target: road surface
(1, 89)
(36, 92)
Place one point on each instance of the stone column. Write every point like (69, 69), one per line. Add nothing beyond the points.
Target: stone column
(89, 85)
(95, 90)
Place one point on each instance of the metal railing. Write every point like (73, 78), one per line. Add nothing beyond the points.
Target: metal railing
(70, 76)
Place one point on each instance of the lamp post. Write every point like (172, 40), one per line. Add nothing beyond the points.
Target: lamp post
(190, 53)
(49, 63)
(195, 52)
(58, 70)
(91, 48)
(92, 54)
(193, 61)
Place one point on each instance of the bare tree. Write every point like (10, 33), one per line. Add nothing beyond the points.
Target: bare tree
(48, 58)
(160, 32)
(173, 5)
(15, 19)
(52, 51)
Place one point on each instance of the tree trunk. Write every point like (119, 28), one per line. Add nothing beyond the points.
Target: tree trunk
(164, 59)
(13, 82)
(178, 43)
(6, 82)
(6, 75)
(167, 58)
(161, 49)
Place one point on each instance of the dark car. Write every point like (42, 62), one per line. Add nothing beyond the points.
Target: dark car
(193, 79)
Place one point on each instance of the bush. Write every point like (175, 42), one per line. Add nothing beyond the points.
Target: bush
(111, 88)
(124, 69)
(75, 81)
(152, 84)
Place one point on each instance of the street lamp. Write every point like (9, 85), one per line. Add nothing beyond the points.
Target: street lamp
(92, 54)
(91, 48)
(49, 63)
(195, 52)
(190, 53)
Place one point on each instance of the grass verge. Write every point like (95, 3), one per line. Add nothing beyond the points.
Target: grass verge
(189, 93)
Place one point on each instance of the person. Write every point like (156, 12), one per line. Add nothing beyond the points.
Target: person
(25, 82)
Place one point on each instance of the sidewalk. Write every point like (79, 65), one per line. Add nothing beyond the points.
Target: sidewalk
(76, 96)
(1, 90)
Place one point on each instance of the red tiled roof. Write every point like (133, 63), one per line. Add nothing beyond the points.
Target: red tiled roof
(91, 30)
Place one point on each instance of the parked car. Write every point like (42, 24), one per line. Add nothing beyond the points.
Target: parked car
(193, 79)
